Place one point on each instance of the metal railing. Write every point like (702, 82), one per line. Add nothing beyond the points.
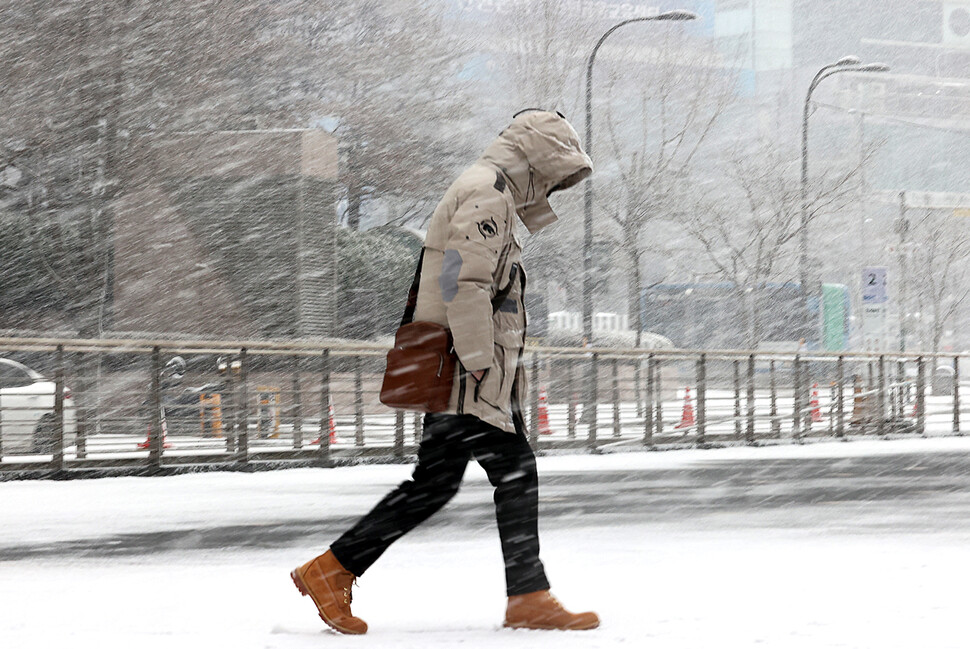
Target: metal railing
(108, 404)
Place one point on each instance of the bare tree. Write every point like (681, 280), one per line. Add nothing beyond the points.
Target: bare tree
(84, 79)
(386, 74)
(940, 247)
(541, 48)
(747, 234)
(658, 138)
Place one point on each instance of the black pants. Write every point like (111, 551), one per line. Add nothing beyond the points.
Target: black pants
(449, 442)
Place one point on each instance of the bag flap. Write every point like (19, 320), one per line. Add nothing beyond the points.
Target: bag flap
(423, 334)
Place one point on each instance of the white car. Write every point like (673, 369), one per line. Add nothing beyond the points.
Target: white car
(27, 411)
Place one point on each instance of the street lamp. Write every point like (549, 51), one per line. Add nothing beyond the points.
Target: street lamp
(588, 198)
(845, 64)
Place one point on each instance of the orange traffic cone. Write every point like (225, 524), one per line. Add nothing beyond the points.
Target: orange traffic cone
(816, 409)
(333, 426)
(544, 428)
(148, 438)
(687, 416)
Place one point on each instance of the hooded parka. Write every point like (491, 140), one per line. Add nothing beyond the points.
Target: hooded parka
(473, 253)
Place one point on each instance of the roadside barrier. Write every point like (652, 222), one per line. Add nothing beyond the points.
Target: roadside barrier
(256, 403)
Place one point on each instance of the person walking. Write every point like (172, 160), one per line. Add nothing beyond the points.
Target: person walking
(472, 281)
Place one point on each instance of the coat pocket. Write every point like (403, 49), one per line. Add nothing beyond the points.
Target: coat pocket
(496, 388)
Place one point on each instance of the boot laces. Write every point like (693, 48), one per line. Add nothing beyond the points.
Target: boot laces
(348, 592)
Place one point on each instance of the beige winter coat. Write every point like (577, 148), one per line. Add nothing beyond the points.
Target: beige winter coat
(472, 250)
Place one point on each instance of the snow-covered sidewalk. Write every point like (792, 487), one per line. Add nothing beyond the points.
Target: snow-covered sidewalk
(680, 582)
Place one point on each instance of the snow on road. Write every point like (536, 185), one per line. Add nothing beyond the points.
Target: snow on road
(71, 574)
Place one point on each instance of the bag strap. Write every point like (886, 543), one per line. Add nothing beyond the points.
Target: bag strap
(497, 301)
(413, 293)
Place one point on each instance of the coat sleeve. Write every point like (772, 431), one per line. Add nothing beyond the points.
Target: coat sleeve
(477, 235)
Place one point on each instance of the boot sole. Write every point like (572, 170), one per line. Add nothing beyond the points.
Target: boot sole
(539, 627)
(300, 586)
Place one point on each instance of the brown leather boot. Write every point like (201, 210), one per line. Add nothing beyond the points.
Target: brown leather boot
(328, 584)
(540, 610)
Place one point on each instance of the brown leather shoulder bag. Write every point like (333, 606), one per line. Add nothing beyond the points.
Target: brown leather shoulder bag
(421, 366)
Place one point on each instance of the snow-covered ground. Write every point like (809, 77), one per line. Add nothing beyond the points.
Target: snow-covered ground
(859, 544)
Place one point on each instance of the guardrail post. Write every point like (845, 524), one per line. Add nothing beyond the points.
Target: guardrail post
(590, 398)
(242, 413)
(417, 423)
(796, 422)
(323, 451)
(593, 390)
(534, 403)
(870, 386)
(956, 396)
(398, 433)
(570, 398)
(807, 387)
(156, 434)
(831, 409)
(921, 396)
(616, 398)
(638, 385)
(701, 373)
(648, 405)
(891, 397)
(297, 405)
(751, 400)
(658, 416)
(358, 402)
(82, 410)
(899, 405)
(58, 457)
(773, 399)
(840, 398)
(882, 426)
(737, 399)
(229, 408)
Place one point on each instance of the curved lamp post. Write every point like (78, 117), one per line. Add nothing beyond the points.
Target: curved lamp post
(588, 198)
(845, 64)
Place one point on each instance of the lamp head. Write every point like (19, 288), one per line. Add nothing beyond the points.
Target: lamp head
(874, 67)
(676, 15)
(849, 60)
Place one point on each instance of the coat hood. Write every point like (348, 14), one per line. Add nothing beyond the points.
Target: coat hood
(539, 153)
